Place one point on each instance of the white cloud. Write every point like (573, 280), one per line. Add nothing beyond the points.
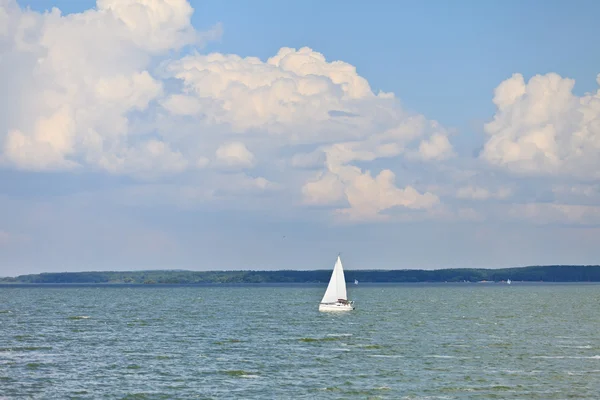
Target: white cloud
(5, 17)
(89, 95)
(367, 196)
(541, 127)
(155, 25)
(326, 189)
(52, 139)
(134, 92)
(437, 147)
(91, 76)
(85, 74)
(295, 88)
(410, 136)
(178, 104)
(235, 154)
(298, 97)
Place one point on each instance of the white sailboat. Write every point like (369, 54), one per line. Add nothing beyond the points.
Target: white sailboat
(335, 297)
(508, 281)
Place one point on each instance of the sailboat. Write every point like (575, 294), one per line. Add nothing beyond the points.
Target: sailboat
(508, 281)
(335, 297)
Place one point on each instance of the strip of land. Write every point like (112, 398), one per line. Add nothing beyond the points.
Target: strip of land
(548, 273)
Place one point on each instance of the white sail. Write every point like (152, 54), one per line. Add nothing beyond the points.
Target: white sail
(337, 284)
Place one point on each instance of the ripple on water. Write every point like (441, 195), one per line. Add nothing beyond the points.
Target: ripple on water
(322, 339)
(24, 348)
(240, 373)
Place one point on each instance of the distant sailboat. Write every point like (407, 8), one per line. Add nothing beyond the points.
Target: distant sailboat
(508, 281)
(356, 281)
(335, 297)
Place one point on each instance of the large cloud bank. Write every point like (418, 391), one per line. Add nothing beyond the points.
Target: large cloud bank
(125, 89)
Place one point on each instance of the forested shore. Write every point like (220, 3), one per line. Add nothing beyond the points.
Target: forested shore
(549, 273)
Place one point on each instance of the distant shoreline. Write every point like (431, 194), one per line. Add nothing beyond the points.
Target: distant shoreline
(290, 285)
(548, 273)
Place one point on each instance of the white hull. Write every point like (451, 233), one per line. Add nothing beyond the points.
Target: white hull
(336, 307)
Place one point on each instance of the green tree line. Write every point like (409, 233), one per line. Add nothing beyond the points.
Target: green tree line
(549, 273)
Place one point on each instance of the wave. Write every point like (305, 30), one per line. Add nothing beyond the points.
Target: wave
(386, 355)
(240, 373)
(327, 338)
(25, 348)
(597, 357)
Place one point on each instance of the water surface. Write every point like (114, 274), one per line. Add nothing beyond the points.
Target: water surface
(467, 341)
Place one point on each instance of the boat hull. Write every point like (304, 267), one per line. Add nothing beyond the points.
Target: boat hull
(336, 307)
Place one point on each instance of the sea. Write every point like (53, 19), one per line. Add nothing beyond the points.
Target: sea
(403, 341)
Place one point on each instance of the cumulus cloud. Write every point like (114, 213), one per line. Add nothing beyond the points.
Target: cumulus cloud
(92, 70)
(437, 147)
(81, 76)
(155, 25)
(365, 195)
(52, 139)
(235, 154)
(110, 90)
(178, 104)
(541, 127)
(326, 189)
(369, 196)
(105, 89)
(296, 96)
(411, 136)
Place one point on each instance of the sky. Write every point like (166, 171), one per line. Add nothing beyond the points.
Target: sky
(209, 135)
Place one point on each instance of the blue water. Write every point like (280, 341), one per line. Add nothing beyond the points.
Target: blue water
(452, 341)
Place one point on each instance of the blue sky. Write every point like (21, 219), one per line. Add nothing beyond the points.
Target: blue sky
(178, 160)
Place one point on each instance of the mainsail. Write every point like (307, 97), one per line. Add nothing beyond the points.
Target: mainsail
(337, 285)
